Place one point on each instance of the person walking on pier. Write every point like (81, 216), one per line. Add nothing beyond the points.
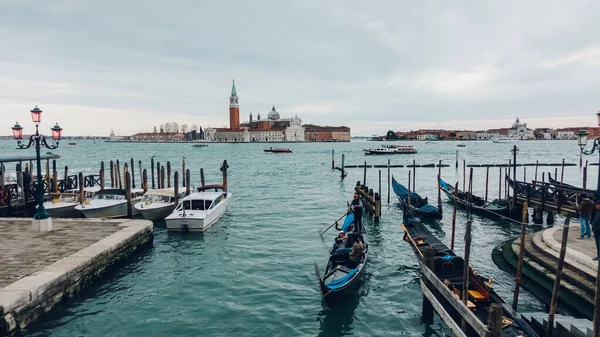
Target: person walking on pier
(596, 229)
(357, 208)
(585, 208)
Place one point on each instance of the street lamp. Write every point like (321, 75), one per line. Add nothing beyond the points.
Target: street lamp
(36, 116)
(582, 138)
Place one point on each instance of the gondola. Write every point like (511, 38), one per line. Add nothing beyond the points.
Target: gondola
(341, 275)
(449, 269)
(417, 205)
(477, 204)
(568, 186)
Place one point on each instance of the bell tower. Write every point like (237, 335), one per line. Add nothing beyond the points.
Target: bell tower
(234, 109)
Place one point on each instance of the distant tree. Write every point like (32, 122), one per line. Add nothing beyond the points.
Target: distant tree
(194, 127)
(184, 128)
(162, 128)
(452, 135)
(391, 135)
(174, 127)
(155, 129)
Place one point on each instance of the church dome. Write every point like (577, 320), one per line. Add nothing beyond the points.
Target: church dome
(516, 124)
(273, 115)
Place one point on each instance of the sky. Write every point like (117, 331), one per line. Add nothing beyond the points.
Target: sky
(93, 66)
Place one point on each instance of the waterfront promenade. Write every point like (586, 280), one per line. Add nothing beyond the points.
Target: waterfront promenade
(39, 270)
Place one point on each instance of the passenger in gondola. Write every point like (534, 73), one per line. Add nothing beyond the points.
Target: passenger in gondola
(356, 253)
(357, 208)
(340, 242)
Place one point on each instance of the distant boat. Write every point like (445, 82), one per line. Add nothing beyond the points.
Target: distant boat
(72, 143)
(278, 150)
(505, 140)
(461, 145)
(391, 149)
(200, 145)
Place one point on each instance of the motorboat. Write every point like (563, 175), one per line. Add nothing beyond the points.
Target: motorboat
(391, 149)
(505, 140)
(63, 205)
(278, 150)
(200, 209)
(200, 145)
(110, 203)
(158, 204)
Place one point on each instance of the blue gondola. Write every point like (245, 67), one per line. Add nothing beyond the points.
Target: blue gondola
(341, 274)
(417, 204)
(477, 204)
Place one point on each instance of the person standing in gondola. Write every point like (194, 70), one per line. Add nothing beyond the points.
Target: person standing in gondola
(357, 209)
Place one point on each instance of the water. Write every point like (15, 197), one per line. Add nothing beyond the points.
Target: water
(252, 274)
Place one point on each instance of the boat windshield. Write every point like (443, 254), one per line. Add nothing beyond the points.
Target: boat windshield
(109, 197)
(156, 198)
(198, 205)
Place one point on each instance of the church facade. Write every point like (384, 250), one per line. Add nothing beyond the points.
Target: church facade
(272, 129)
(521, 131)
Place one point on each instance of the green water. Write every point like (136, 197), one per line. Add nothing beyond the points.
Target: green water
(251, 274)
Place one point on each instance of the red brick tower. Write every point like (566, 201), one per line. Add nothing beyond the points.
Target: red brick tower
(234, 109)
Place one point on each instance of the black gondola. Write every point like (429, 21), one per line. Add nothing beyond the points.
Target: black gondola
(416, 204)
(449, 269)
(477, 204)
(341, 274)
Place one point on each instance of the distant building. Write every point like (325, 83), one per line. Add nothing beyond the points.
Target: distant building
(315, 133)
(272, 129)
(520, 130)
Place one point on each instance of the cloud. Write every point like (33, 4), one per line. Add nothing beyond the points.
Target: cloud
(390, 65)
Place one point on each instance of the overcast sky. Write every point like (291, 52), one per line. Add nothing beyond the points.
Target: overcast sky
(369, 65)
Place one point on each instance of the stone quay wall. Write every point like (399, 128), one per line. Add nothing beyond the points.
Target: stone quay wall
(25, 300)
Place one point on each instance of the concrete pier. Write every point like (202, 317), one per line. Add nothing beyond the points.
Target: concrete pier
(40, 270)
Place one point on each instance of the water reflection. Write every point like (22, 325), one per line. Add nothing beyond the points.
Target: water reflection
(338, 319)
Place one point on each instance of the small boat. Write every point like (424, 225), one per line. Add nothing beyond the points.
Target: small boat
(342, 275)
(476, 203)
(72, 143)
(110, 203)
(278, 150)
(505, 139)
(461, 145)
(391, 149)
(199, 210)
(63, 204)
(158, 204)
(416, 204)
(449, 269)
(200, 145)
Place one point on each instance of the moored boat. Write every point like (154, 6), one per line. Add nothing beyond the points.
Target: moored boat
(476, 203)
(342, 275)
(278, 150)
(158, 204)
(391, 149)
(449, 269)
(63, 204)
(199, 210)
(110, 203)
(200, 145)
(416, 203)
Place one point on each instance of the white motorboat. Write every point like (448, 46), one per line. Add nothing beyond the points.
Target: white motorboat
(63, 204)
(505, 140)
(110, 203)
(158, 204)
(392, 149)
(199, 210)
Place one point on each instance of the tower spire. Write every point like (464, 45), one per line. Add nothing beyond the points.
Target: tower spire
(233, 92)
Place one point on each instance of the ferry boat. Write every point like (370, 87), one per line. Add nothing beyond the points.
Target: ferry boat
(278, 150)
(391, 149)
(199, 210)
(110, 203)
(158, 204)
(63, 204)
(505, 140)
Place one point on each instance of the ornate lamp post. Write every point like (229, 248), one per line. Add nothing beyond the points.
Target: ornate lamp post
(36, 116)
(582, 138)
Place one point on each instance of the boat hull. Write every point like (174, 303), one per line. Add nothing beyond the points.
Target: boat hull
(180, 222)
(155, 213)
(117, 210)
(62, 210)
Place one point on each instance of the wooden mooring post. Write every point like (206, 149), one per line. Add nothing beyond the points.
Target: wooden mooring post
(183, 170)
(132, 172)
(224, 168)
(454, 216)
(202, 182)
(176, 187)
(456, 163)
(414, 175)
(333, 159)
(168, 174)
(128, 192)
(487, 177)
(427, 310)
(536, 169)
(558, 275)
(118, 175)
(101, 175)
(342, 172)
(365, 174)
(158, 174)
(152, 171)
(389, 182)
(187, 182)
(145, 180)
(112, 175)
(162, 177)
(521, 256)
(464, 173)
(141, 171)
(80, 186)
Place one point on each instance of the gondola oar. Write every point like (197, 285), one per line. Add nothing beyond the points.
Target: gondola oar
(335, 222)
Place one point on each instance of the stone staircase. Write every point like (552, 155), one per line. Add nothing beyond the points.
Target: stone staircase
(564, 326)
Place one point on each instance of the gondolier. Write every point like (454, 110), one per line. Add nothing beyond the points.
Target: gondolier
(357, 208)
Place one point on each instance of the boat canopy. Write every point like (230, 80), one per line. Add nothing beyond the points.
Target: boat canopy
(12, 159)
(211, 186)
